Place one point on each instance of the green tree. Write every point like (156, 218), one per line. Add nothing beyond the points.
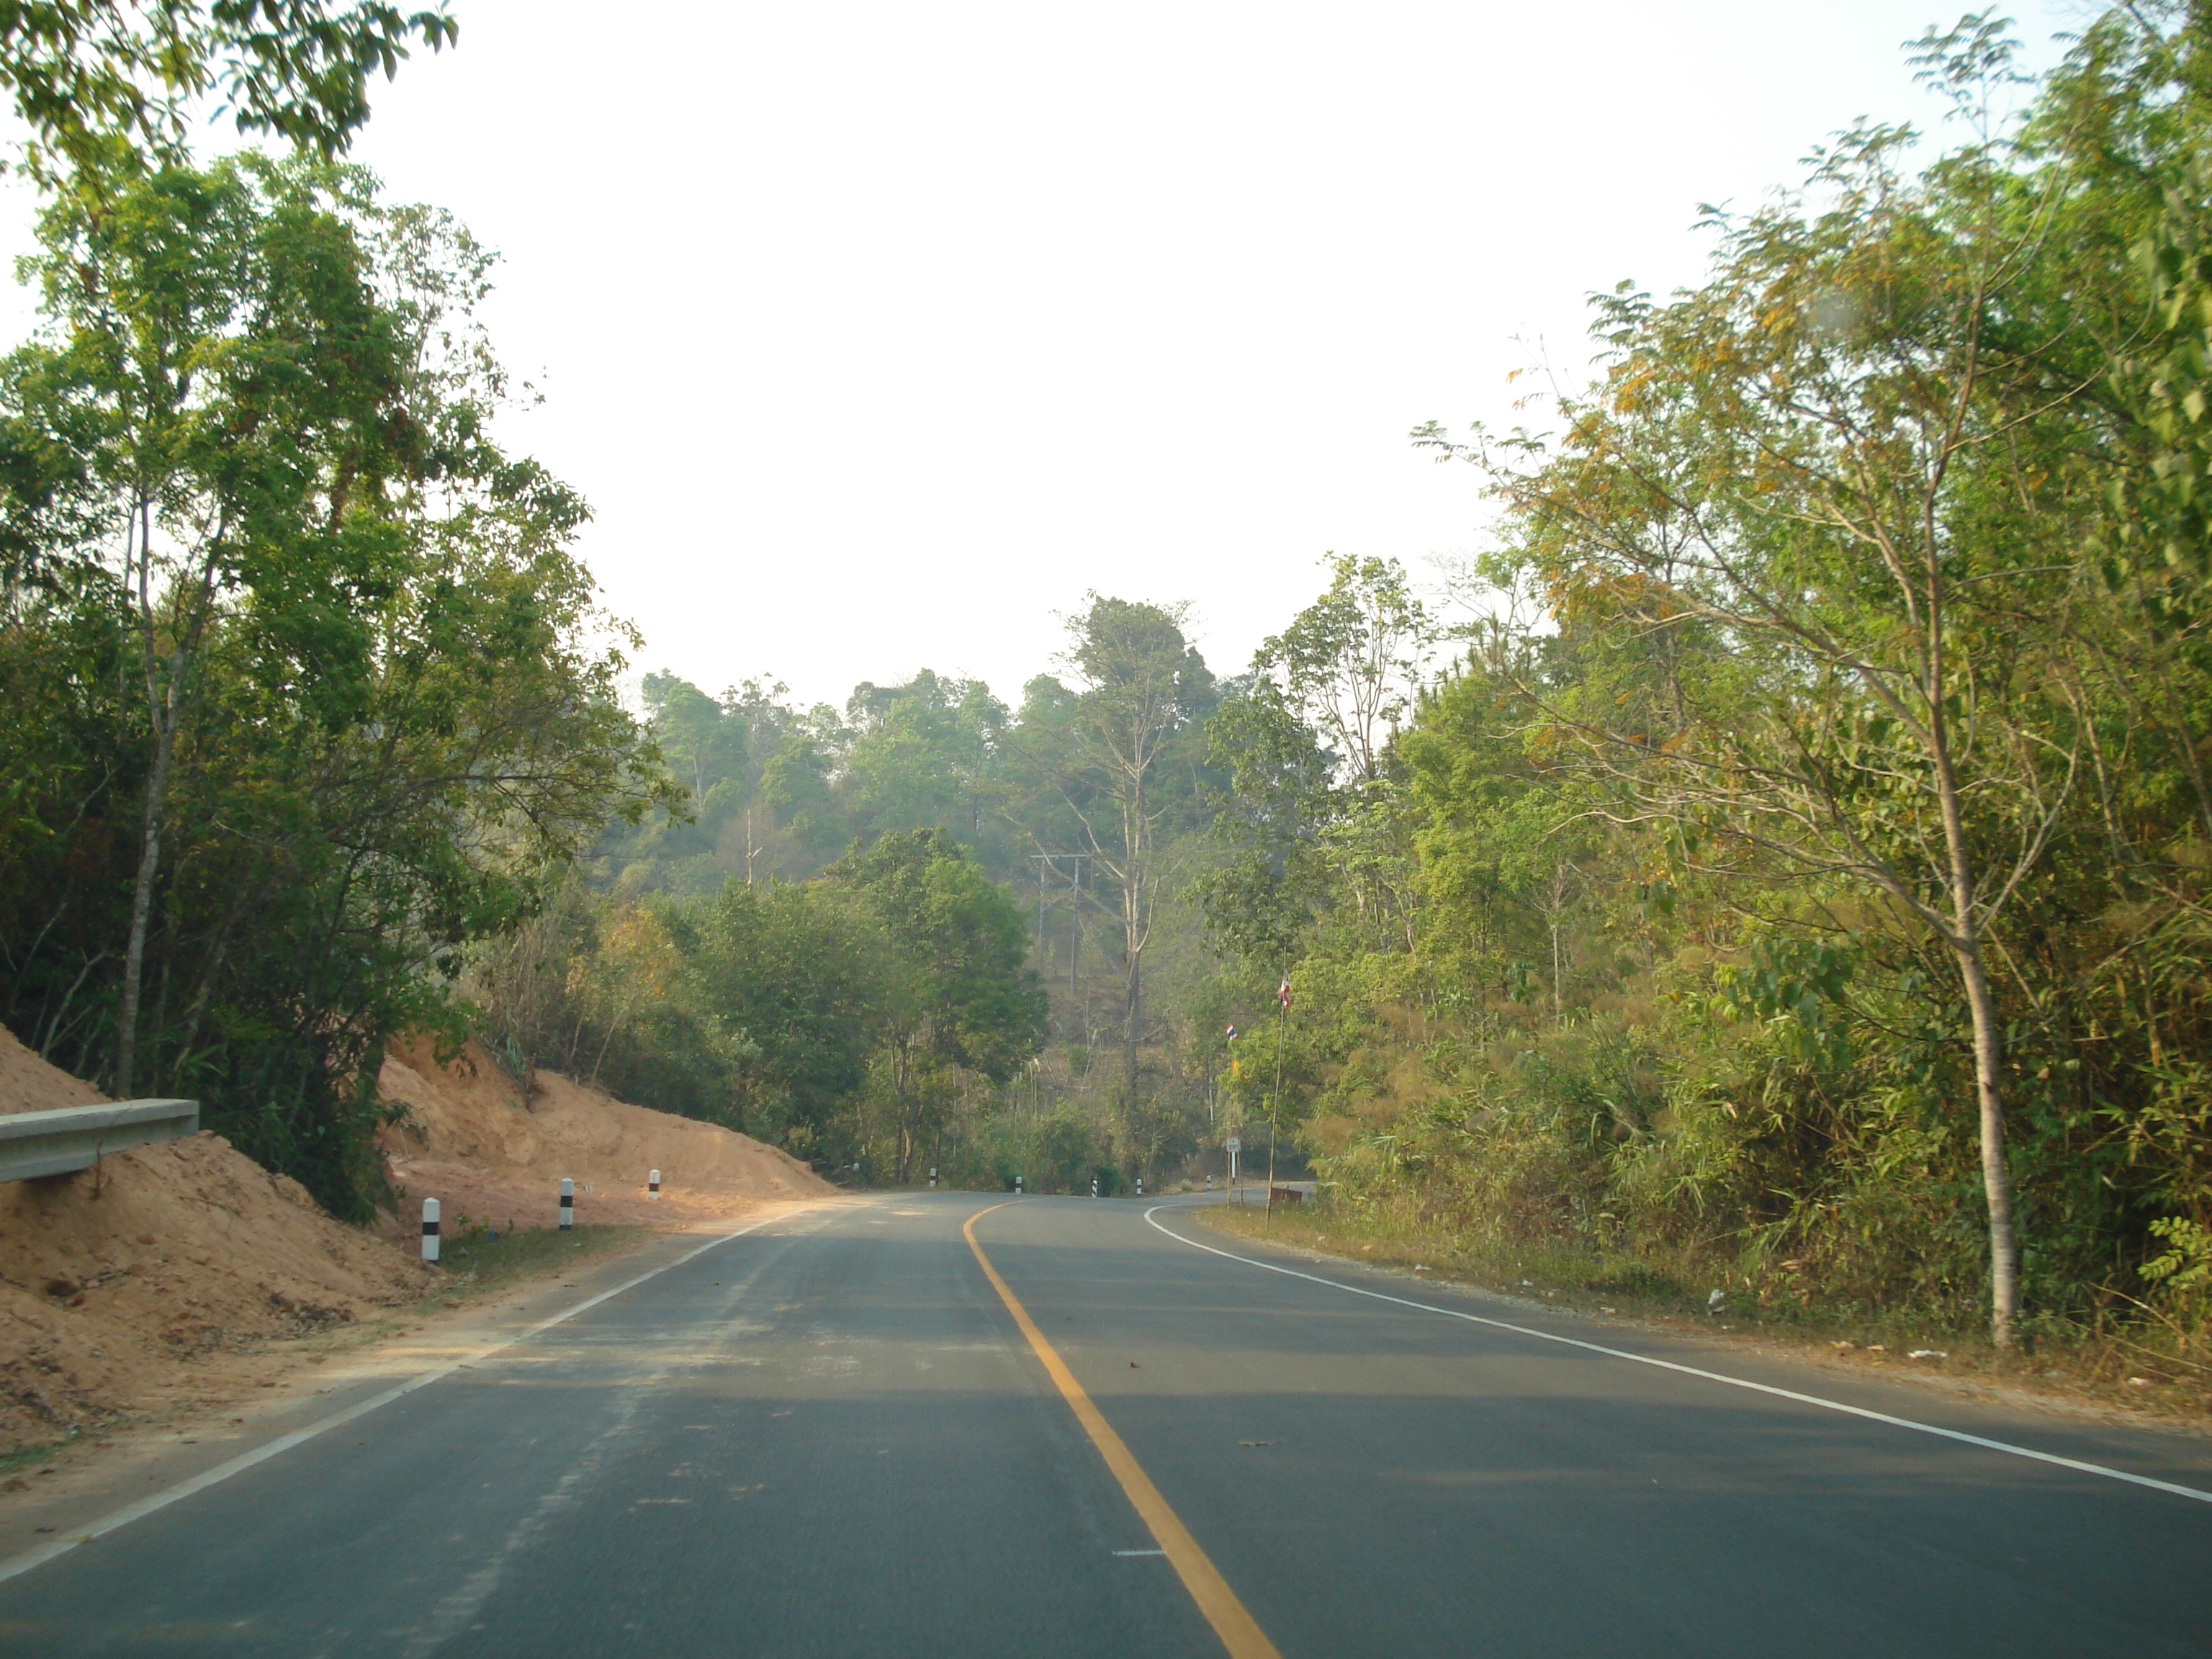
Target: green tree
(217, 342)
(794, 788)
(791, 978)
(91, 75)
(959, 994)
(343, 691)
(1273, 880)
(923, 755)
(703, 744)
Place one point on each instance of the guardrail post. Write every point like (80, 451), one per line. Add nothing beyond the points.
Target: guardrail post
(429, 1230)
(567, 1203)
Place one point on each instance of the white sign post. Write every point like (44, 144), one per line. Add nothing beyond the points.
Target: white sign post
(1235, 1146)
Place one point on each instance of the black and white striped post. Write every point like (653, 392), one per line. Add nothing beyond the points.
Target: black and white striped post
(429, 1230)
(933, 1177)
(567, 1203)
(1017, 1186)
(653, 1184)
(1140, 1185)
(1209, 1183)
(1094, 1186)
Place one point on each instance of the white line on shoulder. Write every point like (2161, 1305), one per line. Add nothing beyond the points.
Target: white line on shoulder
(2007, 1447)
(17, 1565)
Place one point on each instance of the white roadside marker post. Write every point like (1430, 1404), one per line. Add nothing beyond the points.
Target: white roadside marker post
(1017, 1186)
(1209, 1183)
(567, 1203)
(933, 1177)
(429, 1230)
(1140, 1185)
(653, 1184)
(1094, 1186)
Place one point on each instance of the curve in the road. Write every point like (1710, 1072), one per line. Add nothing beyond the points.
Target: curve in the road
(17, 1566)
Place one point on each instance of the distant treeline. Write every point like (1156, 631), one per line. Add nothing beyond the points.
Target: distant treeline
(742, 958)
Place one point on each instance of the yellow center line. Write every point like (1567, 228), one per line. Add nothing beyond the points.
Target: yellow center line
(1239, 1631)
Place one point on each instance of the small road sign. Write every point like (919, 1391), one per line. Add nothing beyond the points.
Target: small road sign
(1235, 1144)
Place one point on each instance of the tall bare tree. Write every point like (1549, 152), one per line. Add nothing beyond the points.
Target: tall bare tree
(1141, 690)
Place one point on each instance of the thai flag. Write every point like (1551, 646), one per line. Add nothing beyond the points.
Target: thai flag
(1282, 996)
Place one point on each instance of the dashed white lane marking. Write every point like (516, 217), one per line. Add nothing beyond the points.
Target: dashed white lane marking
(452, 1613)
(1871, 1416)
(17, 1565)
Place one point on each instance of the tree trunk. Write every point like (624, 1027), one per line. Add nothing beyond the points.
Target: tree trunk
(1136, 997)
(141, 892)
(1997, 1180)
(1134, 930)
(1966, 943)
(165, 706)
(901, 1077)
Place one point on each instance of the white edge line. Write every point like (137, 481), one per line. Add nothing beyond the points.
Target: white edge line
(1871, 1416)
(17, 1566)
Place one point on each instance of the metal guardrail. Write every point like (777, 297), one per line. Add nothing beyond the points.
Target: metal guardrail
(34, 1144)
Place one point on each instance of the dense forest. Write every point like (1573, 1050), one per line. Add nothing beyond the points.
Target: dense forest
(1784, 852)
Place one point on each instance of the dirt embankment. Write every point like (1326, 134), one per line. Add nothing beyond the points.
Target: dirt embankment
(181, 1267)
(473, 1142)
(117, 1280)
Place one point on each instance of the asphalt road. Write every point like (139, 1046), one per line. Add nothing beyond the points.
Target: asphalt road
(832, 1437)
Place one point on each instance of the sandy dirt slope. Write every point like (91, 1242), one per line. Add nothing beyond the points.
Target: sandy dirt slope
(473, 1142)
(166, 1260)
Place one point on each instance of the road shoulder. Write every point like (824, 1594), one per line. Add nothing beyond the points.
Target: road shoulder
(1717, 1339)
(283, 1390)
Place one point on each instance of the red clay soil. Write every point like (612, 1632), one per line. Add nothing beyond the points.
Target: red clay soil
(161, 1263)
(471, 1140)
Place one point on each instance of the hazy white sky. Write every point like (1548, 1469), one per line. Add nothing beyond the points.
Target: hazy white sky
(878, 333)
